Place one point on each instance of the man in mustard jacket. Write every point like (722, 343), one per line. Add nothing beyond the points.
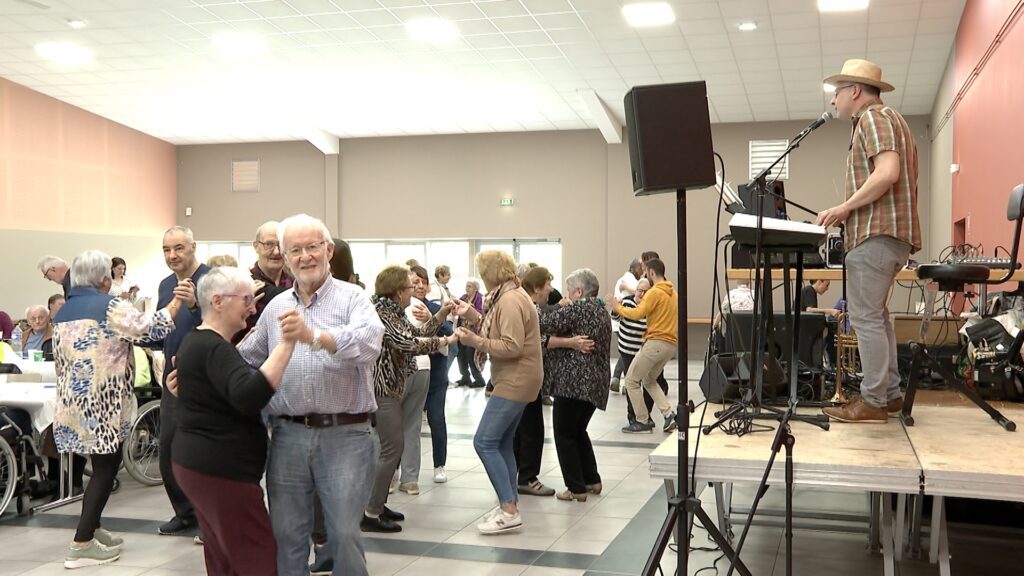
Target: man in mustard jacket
(660, 306)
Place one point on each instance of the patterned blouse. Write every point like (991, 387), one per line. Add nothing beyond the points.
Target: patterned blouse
(569, 373)
(92, 336)
(402, 341)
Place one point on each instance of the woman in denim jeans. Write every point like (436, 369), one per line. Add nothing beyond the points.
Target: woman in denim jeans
(510, 335)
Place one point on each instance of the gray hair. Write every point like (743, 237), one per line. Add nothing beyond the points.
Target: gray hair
(636, 263)
(585, 279)
(268, 227)
(304, 221)
(475, 283)
(182, 229)
(47, 262)
(38, 308)
(221, 280)
(89, 269)
(522, 269)
(645, 281)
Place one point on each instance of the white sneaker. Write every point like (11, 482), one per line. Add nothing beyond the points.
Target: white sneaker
(439, 476)
(500, 522)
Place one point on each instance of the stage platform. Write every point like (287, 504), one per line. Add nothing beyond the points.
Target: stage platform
(954, 449)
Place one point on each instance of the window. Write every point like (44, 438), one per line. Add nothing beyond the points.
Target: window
(763, 153)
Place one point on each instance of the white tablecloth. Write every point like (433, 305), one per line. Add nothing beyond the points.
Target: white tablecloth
(27, 366)
(39, 399)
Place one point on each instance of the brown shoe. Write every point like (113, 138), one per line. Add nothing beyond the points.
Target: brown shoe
(858, 411)
(894, 406)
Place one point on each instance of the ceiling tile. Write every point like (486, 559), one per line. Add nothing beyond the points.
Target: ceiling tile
(272, 9)
(502, 8)
(370, 18)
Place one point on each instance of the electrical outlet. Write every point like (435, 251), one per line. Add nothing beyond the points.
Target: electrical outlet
(188, 211)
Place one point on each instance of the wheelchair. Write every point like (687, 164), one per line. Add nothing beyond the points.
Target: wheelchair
(22, 468)
(141, 449)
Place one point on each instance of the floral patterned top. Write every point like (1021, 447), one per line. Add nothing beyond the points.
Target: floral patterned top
(92, 336)
(569, 373)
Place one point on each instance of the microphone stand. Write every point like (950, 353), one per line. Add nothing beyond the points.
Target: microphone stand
(783, 438)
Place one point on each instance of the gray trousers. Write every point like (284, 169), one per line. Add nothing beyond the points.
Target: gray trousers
(389, 432)
(871, 268)
(416, 387)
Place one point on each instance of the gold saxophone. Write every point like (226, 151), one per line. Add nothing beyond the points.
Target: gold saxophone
(846, 355)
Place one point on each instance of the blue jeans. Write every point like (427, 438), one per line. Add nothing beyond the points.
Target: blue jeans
(493, 443)
(335, 462)
(436, 395)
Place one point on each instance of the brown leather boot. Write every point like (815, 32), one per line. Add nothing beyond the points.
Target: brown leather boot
(894, 406)
(858, 411)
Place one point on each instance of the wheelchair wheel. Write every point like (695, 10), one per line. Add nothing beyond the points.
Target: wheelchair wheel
(142, 447)
(8, 475)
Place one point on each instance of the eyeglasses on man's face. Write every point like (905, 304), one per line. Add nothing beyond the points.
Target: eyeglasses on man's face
(269, 246)
(311, 249)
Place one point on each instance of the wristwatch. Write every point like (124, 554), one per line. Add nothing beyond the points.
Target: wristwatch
(315, 345)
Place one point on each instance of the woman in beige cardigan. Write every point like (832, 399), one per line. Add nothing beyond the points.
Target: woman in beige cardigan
(510, 335)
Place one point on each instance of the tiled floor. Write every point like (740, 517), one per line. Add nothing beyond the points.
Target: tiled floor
(608, 534)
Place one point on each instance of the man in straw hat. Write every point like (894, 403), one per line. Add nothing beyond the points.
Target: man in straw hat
(882, 230)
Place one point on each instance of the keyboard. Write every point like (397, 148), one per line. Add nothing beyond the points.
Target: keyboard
(994, 263)
(777, 232)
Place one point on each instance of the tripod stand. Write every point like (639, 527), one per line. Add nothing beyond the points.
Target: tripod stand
(685, 504)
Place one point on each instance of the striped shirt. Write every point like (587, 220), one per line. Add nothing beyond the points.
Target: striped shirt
(321, 382)
(879, 129)
(631, 332)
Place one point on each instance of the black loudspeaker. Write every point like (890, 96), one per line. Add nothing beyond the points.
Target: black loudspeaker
(726, 374)
(669, 137)
(834, 251)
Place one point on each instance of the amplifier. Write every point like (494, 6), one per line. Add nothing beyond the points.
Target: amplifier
(834, 250)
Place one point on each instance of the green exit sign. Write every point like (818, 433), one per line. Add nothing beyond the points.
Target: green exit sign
(507, 202)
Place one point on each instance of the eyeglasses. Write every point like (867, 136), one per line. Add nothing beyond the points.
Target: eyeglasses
(836, 91)
(269, 246)
(248, 298)
(47, 273)
(311, 249)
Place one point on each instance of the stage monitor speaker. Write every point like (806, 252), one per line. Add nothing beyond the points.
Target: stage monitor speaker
(669, 132)
(727, 374)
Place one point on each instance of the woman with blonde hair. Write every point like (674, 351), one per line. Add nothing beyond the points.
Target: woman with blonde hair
(510, 335)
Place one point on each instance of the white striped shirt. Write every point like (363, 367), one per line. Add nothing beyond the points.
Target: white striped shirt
(321, 382)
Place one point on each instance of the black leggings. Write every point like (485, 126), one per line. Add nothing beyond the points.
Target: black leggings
(104, 469)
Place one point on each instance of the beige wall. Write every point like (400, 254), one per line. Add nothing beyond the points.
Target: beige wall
(569, 185)
(941, 213)
(291, 181)
(71, 181)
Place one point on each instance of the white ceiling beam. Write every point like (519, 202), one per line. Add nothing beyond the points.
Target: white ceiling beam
(324, 141)
(609, 125)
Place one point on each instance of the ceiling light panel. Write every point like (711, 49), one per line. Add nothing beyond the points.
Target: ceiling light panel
(644, 14)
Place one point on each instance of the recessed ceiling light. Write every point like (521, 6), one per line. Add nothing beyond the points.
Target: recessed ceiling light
(76, 23)
(841, 5)
(235, 44)
(64, 53)
(432, 30)
(748, 26)
(647, 14)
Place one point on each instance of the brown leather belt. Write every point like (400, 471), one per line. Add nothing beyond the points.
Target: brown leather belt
(328, 420)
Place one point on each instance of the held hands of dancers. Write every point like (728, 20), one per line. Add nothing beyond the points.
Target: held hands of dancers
(294, 328)
(467, 337)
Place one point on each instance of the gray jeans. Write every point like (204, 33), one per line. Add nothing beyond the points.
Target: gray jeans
(416, 387)
(389, 432)
(871, 269)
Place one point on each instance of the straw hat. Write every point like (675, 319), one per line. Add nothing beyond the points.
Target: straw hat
(861, 72)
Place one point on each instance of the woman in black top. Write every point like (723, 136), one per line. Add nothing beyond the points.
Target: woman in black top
(577, 342)
(220, 449)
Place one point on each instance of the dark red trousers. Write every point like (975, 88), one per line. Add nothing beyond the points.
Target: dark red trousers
(237, 538)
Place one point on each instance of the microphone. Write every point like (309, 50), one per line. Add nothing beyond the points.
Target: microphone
(825, 117)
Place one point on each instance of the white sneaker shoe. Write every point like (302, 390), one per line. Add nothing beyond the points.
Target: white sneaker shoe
(439, 476)
(395, 481)
(500, 522)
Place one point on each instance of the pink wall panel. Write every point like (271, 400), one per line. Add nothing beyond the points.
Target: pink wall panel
(988, 123)
(68, 170)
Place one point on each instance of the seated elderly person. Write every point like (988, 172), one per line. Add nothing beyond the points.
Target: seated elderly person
(39, 333)
(54, 304)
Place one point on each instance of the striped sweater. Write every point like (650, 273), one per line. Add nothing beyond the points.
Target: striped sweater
(631, 332)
